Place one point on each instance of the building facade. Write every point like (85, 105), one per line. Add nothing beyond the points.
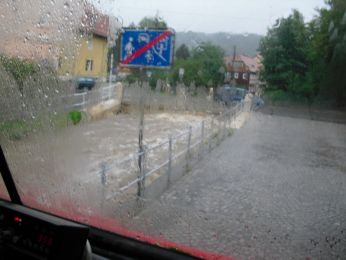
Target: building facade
(244, 71)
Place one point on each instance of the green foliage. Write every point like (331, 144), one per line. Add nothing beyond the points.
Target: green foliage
(75, 116)
(182, 52)
(152, 23)
(308, 60)
(19, 69)
(284, 52)
(20, 128)
(204, 68)
(16, 129)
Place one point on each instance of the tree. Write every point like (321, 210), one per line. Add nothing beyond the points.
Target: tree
(182, 52)
(205, 67)
(284, 51)
(308, 60)
(20, 69)
(132, 25)
(153, 23)
(328, 52)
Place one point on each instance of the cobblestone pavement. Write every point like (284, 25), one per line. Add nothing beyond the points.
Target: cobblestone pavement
(275, 190)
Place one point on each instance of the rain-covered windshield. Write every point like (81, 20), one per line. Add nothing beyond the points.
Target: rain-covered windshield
(208, 126)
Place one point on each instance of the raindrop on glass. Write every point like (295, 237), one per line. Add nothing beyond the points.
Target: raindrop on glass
(331, 26)
(277, 23)
(343, 21)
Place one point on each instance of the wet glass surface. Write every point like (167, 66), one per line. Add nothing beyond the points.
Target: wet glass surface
(170, 155)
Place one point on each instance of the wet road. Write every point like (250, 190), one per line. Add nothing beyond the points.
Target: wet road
(274, 190)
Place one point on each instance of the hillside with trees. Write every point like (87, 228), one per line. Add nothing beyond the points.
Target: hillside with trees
(246, 44)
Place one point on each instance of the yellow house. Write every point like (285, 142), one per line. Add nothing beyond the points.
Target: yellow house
(91, 58)
(90, 53)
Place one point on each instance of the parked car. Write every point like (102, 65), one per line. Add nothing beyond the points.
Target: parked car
(228, 94)
(86, 83)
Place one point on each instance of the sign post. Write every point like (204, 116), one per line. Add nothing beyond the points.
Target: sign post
(145, 49)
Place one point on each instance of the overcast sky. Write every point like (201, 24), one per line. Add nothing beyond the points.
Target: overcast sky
(235, 16)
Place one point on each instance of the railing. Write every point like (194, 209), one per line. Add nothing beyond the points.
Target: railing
(84, 99)
(159, 158)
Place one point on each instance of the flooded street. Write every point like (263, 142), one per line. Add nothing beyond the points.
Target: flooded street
(76, 154)
(275, 190)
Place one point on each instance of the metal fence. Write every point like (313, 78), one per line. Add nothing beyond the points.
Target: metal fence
(84, 99)
(137, 172)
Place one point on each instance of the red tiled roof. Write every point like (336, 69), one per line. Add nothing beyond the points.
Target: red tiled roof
(252, 63)
(95, 22)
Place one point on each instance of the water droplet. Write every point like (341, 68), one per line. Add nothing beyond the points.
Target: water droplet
(56, 91)
(343, 21)
(33, 117)
(331, 26)
(66, 5)
(277, 23)
(334, 34)
(45, 96)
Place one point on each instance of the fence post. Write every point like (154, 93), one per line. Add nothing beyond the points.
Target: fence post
(202, 139)
(103, 183)
(169, 172)
(103, 174)
(84, 103)
(188, 153)
(141, 175)
(212, 134)
(219, 129)
(224, 124)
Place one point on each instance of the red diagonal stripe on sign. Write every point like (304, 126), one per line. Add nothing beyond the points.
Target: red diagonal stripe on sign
(146, 47)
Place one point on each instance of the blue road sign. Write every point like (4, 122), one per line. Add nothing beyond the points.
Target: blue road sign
(146, 48)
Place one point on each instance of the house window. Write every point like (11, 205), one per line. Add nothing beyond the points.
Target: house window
(245, 76)
(89, 65)
(236, 75)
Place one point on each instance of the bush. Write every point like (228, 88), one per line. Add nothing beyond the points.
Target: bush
(19, 69)
(75, 116)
